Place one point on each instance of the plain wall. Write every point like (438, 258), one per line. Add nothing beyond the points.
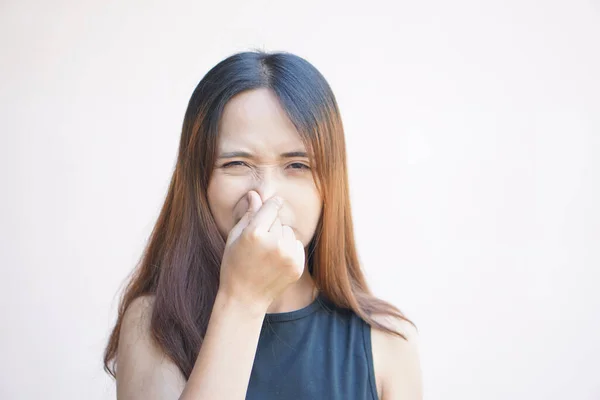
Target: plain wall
(473, 139)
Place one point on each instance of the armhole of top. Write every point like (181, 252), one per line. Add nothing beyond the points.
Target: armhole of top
(366, 329)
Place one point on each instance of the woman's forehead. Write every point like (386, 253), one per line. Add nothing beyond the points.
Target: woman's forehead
(259, 143)
(255, 121)
(252, 106)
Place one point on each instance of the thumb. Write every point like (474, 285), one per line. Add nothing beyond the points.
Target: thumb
(254, 204)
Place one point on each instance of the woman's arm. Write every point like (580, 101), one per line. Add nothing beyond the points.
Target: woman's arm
(222, 369)
(223, 366)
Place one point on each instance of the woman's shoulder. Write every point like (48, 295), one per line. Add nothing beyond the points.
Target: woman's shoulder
(137, 317)
(142, 366)
(400, 325)
(136, 327)
(135, 334)
(140, 309)
(396, 359)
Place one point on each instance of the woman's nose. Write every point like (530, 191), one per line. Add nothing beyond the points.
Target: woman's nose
(266, 185)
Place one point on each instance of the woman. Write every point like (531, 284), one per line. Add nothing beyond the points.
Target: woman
(250, 286)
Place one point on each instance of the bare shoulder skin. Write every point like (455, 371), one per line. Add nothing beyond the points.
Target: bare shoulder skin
(396, 362)
(143, 370)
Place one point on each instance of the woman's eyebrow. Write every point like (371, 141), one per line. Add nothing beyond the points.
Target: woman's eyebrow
(293, 154)
(245, 154)
(235, 154)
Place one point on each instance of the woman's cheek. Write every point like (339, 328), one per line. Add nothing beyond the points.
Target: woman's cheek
(239, 209)
(223, 203)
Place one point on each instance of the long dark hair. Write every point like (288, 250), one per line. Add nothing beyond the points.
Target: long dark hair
(181, 262)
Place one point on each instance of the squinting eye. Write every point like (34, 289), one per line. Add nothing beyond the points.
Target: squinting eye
(234, 164)
(299, 166)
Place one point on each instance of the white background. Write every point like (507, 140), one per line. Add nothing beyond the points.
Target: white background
(473, 138)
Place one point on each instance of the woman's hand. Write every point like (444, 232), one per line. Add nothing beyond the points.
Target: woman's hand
(262, 256)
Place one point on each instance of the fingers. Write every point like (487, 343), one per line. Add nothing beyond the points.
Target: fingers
(266, 215)
(287, 234)
(276, 228)
(254, 204)
(288, 238)
(301, 252)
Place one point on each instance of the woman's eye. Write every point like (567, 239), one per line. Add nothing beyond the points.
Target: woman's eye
(296, 166)
(234, 164)
(299, 166)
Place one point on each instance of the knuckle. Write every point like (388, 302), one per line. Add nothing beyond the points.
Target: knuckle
(295, 271)
(252, 235)
(281, 250)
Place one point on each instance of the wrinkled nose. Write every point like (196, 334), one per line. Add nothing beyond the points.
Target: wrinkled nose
(266, 185)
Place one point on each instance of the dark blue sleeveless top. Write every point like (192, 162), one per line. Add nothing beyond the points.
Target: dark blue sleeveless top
(320, 352)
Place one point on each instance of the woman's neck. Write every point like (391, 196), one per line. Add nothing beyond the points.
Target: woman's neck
(296, 296)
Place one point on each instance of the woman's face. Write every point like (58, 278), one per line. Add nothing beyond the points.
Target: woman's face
(259, 149)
